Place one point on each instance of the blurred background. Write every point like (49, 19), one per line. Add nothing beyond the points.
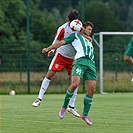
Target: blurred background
(26, 26)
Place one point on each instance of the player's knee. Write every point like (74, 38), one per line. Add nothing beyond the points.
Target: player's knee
(75, 84)
(50, 74)
(91, 91)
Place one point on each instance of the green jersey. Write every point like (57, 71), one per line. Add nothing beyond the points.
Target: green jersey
(82, 46)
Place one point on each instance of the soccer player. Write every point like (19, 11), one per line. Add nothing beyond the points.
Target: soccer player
(62, 59)
(129, 52)
(83, 67)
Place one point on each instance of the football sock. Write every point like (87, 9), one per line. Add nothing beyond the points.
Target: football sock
(40, 99)
(73, 98)
(44, 87)
(87, 104)
(71, 107)
(69, 94)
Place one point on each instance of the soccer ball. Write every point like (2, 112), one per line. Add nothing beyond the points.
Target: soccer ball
(12, 92)
(76, 25)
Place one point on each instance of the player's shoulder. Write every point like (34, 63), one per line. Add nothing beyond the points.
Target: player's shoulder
(77, 34)
(73, 35)
(64, 25)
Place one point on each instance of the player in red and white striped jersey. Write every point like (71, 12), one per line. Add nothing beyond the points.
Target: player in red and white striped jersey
(63, 58)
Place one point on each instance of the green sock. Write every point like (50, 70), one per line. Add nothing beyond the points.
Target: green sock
(87, 104)
(69, 94)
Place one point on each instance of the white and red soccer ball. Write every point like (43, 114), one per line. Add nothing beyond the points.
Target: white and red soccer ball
(76, 25)
(12, 93)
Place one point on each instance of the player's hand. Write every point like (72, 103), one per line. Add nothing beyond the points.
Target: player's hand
(89, 38)
(44, 50)
(50, 53)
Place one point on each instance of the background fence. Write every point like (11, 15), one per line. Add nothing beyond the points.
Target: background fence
(117, 74)
(14, 71)
(26, 26)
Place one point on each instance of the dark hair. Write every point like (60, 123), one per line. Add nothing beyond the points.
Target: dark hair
(73, 15)
(88, 23)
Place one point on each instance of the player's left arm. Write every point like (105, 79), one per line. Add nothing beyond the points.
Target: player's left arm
(87, 37)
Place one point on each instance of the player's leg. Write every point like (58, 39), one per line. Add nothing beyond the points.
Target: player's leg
(71, 108)
(90, 85)
(73, 98)
(128, 59)
(128, 55)
(46, 81)
(90, 82)
(44, 87)
(75, 81)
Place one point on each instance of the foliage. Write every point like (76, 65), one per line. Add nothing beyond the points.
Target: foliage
(12, 18)
(45, 17)
(103, 18)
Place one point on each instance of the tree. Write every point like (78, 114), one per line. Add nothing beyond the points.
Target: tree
(102, 17)
(130, 18)
(12, 18)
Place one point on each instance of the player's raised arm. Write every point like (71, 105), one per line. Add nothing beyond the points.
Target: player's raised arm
(54, 46)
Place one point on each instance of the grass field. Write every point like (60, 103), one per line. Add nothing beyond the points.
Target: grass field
(111, 113)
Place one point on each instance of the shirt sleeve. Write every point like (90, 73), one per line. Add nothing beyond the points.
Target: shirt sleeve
(59, 35)
(70, 38)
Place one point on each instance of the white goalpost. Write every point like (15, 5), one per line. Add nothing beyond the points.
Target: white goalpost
(100, 45)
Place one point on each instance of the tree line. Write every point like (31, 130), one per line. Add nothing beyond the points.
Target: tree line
(45, 17)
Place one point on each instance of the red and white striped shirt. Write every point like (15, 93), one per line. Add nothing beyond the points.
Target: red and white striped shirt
(63, 32)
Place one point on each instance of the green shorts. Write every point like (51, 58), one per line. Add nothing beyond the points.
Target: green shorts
(84, 68)
(129, 49)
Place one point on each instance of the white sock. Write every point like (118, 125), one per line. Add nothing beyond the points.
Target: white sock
(44, 86)
(73, 98)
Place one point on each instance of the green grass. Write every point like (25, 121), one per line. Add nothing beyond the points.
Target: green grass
(111, 113)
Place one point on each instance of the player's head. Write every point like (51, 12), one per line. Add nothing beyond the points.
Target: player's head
(73, 15)
(87, 27)
(88, 23)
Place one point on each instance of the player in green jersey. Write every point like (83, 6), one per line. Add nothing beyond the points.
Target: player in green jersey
(83, 67)
(129, 52)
